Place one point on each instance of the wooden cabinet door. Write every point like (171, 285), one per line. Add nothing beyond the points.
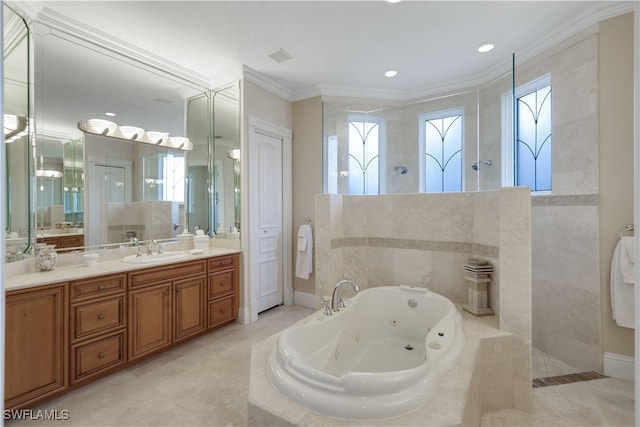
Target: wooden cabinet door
(149, 319)
(190, 307)
(36, 344)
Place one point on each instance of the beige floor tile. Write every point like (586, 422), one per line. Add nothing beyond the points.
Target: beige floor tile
(205, 383)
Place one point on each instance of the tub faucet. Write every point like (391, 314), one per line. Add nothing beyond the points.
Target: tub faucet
(336, 299)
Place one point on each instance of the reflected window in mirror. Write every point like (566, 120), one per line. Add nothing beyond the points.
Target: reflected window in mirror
(441, 140)
(174, 170)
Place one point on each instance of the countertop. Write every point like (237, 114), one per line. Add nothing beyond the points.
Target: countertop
(111, 266)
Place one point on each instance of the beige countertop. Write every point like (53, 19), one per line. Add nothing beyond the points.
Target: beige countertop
(108, 266)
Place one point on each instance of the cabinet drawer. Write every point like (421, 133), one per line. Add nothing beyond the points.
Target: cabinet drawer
(72, 241)
(49, 241)
(97, 286)
(98, 316)
(166, 272)
(222, 263)
(96, 356)
(220, 284)
(221, 311)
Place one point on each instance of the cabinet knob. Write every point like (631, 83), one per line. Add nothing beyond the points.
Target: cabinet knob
(179, 289)
(100, 316)
(101, 355)
(101, 288)
(166, 291)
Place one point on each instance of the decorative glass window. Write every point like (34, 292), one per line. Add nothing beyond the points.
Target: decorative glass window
(527, 145)
(533, 147)
(364, 155)
(441, 142)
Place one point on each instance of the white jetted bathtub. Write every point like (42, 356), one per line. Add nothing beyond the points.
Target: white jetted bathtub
(380, 357)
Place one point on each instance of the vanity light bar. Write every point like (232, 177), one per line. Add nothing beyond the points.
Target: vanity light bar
(132, 133)
(15, 127)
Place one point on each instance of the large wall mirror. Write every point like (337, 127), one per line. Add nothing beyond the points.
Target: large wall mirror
(213, 199)
(99, 191)
(17, 84)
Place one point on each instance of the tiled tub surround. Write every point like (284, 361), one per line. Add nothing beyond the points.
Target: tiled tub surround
(423, 240)
(479, 382)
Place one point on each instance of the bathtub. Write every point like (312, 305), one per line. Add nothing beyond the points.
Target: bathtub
(380, 357)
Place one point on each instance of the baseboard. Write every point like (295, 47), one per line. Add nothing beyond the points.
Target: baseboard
(243, 316)
(619, 366)
(304, 298)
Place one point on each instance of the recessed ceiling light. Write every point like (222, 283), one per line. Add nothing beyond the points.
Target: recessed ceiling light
(391, 73)
(394, 1)
(487, 47)
(110, 114)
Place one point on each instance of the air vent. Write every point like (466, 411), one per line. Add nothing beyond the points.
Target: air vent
(280, 56)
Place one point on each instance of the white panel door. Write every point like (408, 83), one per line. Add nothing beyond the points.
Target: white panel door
(268, 164)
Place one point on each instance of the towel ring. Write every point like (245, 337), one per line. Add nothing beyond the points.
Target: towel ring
(628, 227)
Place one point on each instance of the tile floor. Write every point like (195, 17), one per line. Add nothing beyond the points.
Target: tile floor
(205, 383)
(599, 402)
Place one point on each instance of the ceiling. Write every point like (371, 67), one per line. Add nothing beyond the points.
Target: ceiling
(338, 47)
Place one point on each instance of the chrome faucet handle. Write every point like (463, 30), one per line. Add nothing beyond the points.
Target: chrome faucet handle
(340, 302)
(327, 307)
(159, 248)
(153, 244)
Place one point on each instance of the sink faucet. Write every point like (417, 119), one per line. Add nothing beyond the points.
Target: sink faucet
(135, 243)
(336, 299)
(151, 245)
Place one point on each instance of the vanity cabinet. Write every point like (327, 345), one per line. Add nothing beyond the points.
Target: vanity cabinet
(68, 334)
(150, 313)
(98, 322)
(63, 242)
(222, 291)
(189, 307)
(167, 304)
(36, 343)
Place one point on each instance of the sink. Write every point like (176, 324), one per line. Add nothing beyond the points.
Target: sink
(146, 259)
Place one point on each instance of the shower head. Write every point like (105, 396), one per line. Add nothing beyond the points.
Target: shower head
(402, 169)
(476, 165)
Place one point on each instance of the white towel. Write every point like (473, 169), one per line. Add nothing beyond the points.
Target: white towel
(304, 258)
(622, 298)
(627, 260)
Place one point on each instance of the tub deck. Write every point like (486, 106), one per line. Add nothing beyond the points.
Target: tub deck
(475, 385)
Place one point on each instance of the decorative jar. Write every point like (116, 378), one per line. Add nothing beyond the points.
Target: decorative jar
(46, 257)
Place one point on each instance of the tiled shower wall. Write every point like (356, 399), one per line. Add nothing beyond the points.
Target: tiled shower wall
(565, 224)
(423, 240)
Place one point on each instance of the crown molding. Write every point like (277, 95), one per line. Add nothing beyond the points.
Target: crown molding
(68, 28)
(79, 32)
(266, 83)
(582, 26)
